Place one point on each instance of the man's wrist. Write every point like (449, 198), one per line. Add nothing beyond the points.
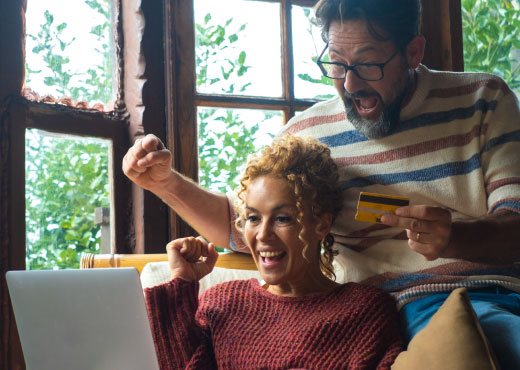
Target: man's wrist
(471, 239)
(462, 234)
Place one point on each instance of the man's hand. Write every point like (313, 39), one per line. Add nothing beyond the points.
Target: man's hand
(148, 163)
(428, 228)
(191, 258)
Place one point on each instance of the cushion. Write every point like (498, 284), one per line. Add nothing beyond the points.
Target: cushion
(452, 340)
(156, 273)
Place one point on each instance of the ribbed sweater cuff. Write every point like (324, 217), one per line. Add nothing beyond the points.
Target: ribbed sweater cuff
(171, 309)
(176, 289)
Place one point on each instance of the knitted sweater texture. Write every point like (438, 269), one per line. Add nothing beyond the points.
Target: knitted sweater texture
(239, 325)
(457, 146)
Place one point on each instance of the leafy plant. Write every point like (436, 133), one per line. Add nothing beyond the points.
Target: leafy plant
(222, 153)
(66, 179)
(305, 76)
(491, 38)
(94, 85)
(51, 46)
(212, 69)
(99, 82)
(223, 149)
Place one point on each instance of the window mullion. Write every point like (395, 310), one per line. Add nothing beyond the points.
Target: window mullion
(181, 117)
(287, 56)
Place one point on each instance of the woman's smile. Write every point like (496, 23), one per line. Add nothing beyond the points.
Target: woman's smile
(272, 259)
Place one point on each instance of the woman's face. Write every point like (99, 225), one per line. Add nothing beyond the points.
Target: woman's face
(271, 231)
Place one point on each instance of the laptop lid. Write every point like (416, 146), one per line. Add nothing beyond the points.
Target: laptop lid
(91, 319)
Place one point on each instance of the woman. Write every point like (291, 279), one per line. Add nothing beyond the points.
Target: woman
(298, 317)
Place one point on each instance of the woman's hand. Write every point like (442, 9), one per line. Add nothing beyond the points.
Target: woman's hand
(191, 258)
(428, 228)
(148, 163)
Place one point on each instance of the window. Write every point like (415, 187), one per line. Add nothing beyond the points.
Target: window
(491, 31)
(67, 178)
(237, 57)
(237, 79)
(24, 114)
(66, 182)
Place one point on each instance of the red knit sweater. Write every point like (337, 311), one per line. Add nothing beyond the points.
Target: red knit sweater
(239, 325)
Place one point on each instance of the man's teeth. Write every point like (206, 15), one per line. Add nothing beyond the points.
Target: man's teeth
(367, 102)
(270, 254)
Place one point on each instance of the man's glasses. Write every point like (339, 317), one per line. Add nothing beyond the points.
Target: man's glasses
(365, 71)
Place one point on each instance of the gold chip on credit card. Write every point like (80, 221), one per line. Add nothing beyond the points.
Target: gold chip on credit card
(371, 206)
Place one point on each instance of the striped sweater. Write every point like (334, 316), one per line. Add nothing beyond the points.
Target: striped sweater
(457, 146)
(239, 325)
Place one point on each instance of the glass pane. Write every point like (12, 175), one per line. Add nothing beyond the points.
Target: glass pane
(236, 53)
(491, 38)
(309, 82)
(70, 50)
(66, 179)
(226, 138)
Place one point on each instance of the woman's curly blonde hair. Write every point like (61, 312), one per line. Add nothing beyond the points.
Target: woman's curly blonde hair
(307, 166)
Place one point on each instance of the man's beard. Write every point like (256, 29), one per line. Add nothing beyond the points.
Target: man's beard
(384, 125)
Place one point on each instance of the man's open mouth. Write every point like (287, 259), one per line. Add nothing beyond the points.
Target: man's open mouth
(366, 105)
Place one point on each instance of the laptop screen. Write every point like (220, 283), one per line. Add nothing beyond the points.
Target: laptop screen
(82, 319)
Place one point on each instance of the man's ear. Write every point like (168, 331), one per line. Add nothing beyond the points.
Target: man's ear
(415, 51)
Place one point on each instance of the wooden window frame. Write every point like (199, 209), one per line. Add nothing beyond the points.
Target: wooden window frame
(58, 119)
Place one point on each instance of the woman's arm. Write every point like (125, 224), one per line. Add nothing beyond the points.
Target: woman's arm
(180, 342)
(149, 165)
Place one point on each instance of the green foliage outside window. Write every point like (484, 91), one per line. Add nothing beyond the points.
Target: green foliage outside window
(305, 76)
(66, 180)
(491, 37)
(221, 152)
(52, 42)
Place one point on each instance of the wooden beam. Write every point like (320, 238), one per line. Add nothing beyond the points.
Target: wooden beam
(442, 27)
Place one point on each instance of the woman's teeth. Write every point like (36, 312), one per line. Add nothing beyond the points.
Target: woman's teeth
(270, 254)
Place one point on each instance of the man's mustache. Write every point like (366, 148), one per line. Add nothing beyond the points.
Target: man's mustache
(360, 94)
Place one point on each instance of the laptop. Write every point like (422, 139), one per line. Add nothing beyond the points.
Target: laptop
(93, 319)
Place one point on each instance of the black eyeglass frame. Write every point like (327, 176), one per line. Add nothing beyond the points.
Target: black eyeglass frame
(353, 67)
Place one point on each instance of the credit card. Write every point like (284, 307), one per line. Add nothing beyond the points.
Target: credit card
(371, 206)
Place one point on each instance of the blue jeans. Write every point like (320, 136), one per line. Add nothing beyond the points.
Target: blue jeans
(497, 309)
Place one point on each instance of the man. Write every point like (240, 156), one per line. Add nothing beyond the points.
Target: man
(448, 141)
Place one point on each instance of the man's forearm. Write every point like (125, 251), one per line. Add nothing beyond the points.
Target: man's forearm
(492, 239)
(206, 212)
